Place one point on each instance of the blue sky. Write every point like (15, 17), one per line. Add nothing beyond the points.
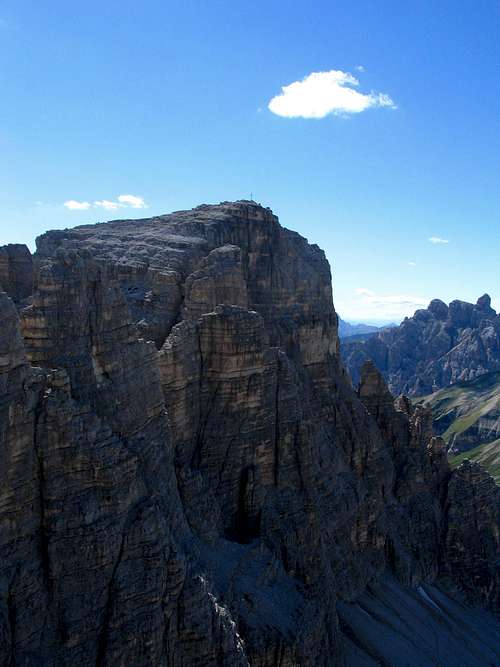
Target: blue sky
(169, 102)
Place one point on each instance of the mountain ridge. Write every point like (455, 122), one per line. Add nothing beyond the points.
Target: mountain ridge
(189, 477)
(436, 347)
(348, 329)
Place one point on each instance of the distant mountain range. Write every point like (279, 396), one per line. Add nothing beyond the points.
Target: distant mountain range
(438, 346)
(347, 330)
(450, 356)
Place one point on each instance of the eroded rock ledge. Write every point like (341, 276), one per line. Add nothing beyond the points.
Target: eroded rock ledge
(187, 477)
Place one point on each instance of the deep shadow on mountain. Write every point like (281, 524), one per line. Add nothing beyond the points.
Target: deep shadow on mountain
(188, 477)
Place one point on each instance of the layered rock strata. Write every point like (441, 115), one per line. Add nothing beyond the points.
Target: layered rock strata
(188, 477)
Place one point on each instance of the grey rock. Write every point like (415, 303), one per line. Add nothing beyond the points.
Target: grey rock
(16, 271)
(436, 347)
(472, 548)
(187, 482)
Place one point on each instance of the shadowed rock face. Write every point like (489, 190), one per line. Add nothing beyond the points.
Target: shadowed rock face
(187, 476)
(421, 627)
(16, 271)
(436, 347)
(472, 548)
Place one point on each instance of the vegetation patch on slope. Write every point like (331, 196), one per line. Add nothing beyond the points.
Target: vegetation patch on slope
(467, 416)
(487, 454)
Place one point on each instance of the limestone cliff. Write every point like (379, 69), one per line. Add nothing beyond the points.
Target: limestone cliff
(438, 346)
(187, 476)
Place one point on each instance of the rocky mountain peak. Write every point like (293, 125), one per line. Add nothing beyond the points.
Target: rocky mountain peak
(436, 347)
(484, 302)
(188, 477)
(373, 390)
(439, 309)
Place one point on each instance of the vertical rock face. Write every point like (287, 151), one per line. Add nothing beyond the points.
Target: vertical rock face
(288, 280)
(420, 471)
(220, 279)
(23, 594)
(16, 271)
(472, 547)
(187, 476)
(93, 571)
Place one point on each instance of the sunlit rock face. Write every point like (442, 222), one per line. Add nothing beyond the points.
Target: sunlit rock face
(438, 346)
(188, 477)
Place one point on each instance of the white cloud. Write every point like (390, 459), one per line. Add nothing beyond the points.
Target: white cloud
(412, 263)
(323, 93)
(123, 201)
(368, 305)
(360, 68)
(437, 240)
(132, 200)
(108, 205)
(74, 205)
